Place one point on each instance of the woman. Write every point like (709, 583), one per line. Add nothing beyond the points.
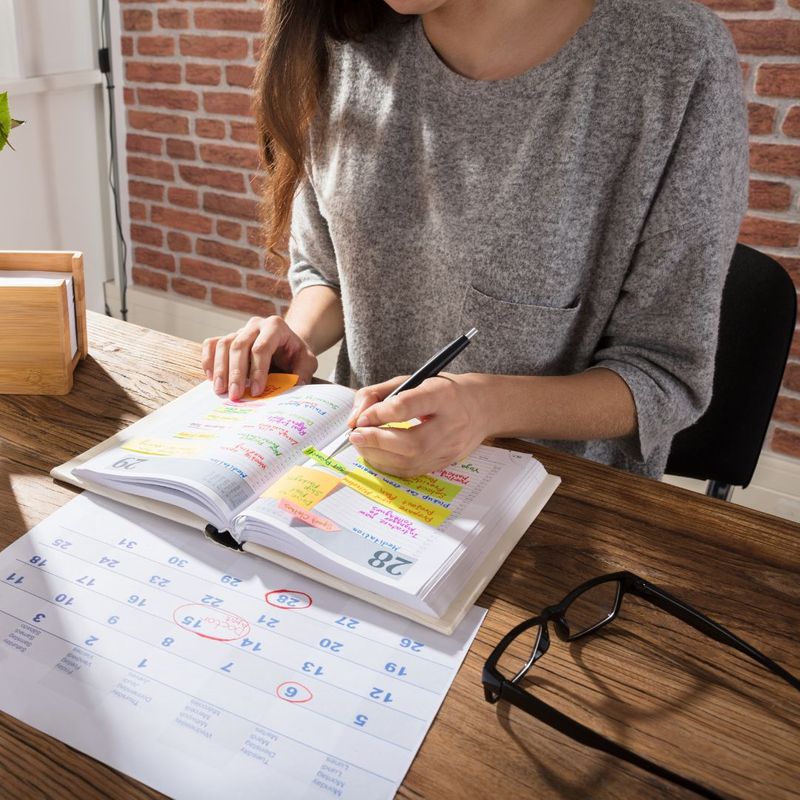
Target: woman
(566, 176)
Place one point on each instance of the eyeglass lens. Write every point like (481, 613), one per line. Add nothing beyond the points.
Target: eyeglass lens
(592, 608)
(517, 658)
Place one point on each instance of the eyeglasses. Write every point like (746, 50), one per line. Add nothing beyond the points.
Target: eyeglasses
(583, 611)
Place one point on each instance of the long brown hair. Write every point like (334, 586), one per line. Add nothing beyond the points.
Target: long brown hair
(290, 77)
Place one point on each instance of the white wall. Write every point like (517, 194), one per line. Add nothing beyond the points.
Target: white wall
(54, 183)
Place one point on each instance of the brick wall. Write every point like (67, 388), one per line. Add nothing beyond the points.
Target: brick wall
(191, 155)
(192, 162)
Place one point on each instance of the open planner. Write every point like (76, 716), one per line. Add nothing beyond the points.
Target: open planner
(255, 475)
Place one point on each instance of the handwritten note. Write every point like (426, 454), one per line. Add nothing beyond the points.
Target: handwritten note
(206, 673)
(303, 486)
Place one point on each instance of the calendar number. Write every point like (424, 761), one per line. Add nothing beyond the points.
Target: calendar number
(347, 622)
(37, 561)
(393, 564)
(329, 644)
(395, 669)
(381, 694)
(411, 644)
(62, 544)
(294, 692)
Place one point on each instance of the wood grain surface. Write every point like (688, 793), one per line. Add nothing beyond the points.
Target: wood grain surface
(648, 681)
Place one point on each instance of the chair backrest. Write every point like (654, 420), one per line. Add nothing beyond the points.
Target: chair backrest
(757, 321)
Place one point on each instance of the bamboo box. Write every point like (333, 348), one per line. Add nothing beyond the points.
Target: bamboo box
(36, 338)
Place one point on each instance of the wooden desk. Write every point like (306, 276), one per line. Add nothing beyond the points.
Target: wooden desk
(648, 681)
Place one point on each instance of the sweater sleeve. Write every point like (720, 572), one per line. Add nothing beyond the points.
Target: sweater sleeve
(662, 334)
(311, 254)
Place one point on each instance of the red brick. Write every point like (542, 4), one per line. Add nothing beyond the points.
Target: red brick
(159, 123)
(745, 70)
(217, 178)
(227, 206)
(241, 157)
(128, 96)
(149, 168)
(761, 118)
(189, 288)
(240, 75)
(178, 99)
(244, 132)
(144, 234)
(144, 144)
(246, 304)
(223, 47)
(154, 258)
(783, 441)
(173, 18)
(258, 46)
(769, 195)
(223, 19)
(791, 125)
(179, 242)
(228, 103)
(791, 377)
(126, 45)
(256, 237)
(146, 277)
(188, 198)
(739, 5)
(147, 72)
(210, 128)
(227, 276)
(182, 220)
(180, 148)
(775, 159)
(137, 20)
(229, 253)
(787, 409)
(269, 285)
(759, 231)
(229, 230)
(148, 191)
(137, 210)
(155, 46)
(792, 266)
(778, 80)
(794, 3)
(204, 74)
(766, 37)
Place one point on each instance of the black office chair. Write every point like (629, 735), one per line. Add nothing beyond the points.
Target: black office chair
(757, 320)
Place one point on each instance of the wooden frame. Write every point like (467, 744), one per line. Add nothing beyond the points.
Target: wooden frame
(35, 355)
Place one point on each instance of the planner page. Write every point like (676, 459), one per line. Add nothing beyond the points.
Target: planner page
(208, 673)
(211, 455)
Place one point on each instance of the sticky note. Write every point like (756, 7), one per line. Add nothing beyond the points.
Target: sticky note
(303, 486)
(326, 461)
(177, 448)
(306, 516)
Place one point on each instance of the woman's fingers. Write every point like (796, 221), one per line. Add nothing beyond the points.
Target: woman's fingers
(370, 395)
(249, 353)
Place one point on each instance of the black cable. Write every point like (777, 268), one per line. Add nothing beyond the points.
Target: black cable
(104, 58)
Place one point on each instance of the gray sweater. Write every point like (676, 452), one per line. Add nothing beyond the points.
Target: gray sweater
(579, 215)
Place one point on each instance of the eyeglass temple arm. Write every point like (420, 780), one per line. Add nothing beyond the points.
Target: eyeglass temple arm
(586, 736)
(672, 605)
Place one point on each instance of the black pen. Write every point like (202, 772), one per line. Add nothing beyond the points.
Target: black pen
(430, 368)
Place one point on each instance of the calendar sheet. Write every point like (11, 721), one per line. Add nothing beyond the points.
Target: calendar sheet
(208, 673)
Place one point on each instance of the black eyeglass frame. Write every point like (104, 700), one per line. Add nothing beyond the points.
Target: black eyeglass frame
(497, 687)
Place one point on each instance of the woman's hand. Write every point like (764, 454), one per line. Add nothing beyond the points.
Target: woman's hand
(454, 421)
(264, 342)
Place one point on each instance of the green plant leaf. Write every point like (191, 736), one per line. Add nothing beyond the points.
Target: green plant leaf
(5, 119)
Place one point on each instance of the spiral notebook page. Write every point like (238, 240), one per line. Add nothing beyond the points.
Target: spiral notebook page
(206, 673)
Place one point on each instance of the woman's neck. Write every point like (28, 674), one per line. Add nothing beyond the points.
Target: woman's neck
(494, 39)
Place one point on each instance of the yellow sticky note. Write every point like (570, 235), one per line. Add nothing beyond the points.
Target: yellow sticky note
(303, 486)
(425, 484)
(378, 491)
(178, 448)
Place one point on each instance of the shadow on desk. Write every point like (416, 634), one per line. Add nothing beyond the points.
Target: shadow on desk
(706, 698)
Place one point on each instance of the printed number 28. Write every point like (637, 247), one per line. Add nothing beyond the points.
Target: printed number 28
(393, 564)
